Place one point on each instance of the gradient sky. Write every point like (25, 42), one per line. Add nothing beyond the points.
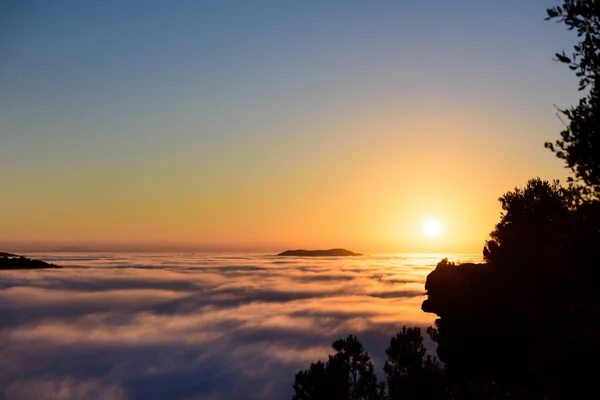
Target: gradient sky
(273, 124)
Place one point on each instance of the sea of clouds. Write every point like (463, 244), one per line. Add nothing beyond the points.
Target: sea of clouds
(195, 326)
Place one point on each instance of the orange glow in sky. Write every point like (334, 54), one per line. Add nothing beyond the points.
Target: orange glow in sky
(309, 126)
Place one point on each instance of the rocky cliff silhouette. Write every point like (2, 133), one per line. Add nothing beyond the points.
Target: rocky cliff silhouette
(526, 332)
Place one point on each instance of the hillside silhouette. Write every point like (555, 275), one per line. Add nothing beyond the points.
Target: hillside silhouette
(10, 262)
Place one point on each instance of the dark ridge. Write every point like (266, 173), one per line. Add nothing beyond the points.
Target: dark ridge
(7, 254)
(23, 263)
(320, 253)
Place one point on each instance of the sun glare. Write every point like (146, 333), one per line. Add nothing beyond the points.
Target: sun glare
(432, 228)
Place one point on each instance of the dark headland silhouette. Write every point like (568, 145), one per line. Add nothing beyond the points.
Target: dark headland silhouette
(320, 253)
(13, 261)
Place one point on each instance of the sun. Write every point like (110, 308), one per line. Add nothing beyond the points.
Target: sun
(432, 228)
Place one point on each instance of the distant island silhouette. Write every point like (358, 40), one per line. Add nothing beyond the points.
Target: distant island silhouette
(13, 261)
(320, 253)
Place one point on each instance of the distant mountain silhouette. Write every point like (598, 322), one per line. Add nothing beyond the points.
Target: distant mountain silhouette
(319, 253)
(73, 249)
(7, 262)
(7, 254)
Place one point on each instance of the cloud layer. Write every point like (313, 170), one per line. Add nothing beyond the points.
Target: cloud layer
(191, 326)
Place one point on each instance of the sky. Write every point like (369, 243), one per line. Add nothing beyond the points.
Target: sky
(273, 124)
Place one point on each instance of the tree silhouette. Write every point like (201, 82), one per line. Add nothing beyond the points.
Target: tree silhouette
(411, 373)
(579, 145)
(348, 374)
(533, 225)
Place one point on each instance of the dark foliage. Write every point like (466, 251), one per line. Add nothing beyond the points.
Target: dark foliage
(579, 145)
(348, 374)
(533, 225)
(411, 373)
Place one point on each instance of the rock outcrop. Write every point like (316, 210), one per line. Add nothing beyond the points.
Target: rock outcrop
(517, 328)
